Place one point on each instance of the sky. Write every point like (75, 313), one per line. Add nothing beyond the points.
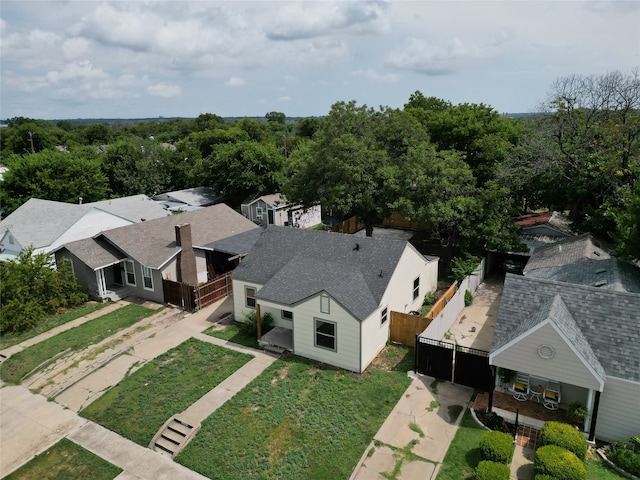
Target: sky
(148, 59)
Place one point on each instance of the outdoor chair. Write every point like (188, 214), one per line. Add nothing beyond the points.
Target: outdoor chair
(520, 387)
(551, 397)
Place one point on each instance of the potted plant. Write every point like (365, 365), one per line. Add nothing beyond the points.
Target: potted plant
(577, 413)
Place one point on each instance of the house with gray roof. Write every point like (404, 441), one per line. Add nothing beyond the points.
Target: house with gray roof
(574, 318)
(46, 224)
(330, 294)
(134, 259)
(275, 209)
(189, 199)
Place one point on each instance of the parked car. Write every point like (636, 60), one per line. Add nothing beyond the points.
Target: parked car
(512, 265)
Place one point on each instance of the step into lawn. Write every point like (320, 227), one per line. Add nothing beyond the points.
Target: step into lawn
(141, 403)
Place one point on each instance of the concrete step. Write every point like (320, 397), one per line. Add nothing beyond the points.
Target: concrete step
(166, 446)
(172, 436)
(180, 427)
(274, 349)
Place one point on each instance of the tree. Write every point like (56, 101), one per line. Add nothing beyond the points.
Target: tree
(276, 117)
(626, 216)
(32, 289)
(25, 135)
(240, 169)
(53, 175)
(353, 165)
(591, 126)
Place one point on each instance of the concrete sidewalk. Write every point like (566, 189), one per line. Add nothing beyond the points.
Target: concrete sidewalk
(420, 410)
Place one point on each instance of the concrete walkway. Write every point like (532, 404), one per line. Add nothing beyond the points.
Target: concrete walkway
(423, 418)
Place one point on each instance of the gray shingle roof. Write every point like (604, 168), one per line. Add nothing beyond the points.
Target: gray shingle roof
(238, 244)
(95, 253)
(40, 222)
(567, 251)
(153, 242)
(603, 325)
(293, 264)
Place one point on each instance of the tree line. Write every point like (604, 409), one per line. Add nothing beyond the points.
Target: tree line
(463, 169)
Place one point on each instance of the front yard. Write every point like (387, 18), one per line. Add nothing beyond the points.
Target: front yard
(300, 419)
(139, 405)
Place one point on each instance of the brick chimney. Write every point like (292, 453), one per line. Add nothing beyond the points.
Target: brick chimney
(186, 258)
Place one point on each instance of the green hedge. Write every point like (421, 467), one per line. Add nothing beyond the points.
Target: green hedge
(565, 436)
(496, 447)
(487, 470)
(625, 458)
(544, 477)
(559, 463)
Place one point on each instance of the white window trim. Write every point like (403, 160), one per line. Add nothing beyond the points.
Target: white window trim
(246, 296)
(416, 290)
(126, 273)
(325, 298)
(335, 335)
(144, 277)
(259, 212)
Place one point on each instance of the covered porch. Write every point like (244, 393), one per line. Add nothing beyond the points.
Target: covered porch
(278, 340)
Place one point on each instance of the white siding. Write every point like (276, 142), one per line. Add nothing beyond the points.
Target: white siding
(347, 354)
(374, 336)
(619, 410)
(564, 367)
(306, 218)
(10, 250)
(239, 307)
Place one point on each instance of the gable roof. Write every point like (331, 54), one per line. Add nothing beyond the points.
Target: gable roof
(602, 325)
(276, 200)
(583, 260)
(153, 242)
(40, 222)
(195, 197)
(95, 253)
(293, 264)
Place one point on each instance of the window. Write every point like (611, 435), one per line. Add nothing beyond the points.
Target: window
(147, 278)
(259, 212)
(384, 316)
(325, 334)
(11, 239)
(287, 315)
(250, 297)
(416, 288)
(130, 272)
(324, 303)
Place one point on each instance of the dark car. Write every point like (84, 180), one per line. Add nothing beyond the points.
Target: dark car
(512, 265)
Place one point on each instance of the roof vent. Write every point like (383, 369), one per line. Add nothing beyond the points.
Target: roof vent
(602, 270)
(381, 274)
(596, 253)
(600, 283)
(357, 247)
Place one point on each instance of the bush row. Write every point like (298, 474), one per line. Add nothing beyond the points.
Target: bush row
(565, 436)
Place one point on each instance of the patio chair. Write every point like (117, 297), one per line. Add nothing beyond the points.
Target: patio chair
(520, 387)
(551, 396)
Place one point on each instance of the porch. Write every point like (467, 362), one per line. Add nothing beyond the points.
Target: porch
(278, 339)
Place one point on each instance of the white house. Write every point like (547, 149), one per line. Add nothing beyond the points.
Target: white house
(46, 225)
(330, 294)
(573, 319)
(276, 210)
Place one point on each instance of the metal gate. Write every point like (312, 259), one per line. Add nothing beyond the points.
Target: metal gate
(461, 365)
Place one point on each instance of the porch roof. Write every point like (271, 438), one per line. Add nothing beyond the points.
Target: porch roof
(603, 326)
(95, 253)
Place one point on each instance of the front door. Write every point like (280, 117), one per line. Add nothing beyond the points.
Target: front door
(270, 216)
(117, 274)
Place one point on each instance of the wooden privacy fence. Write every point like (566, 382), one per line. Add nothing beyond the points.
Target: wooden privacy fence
(350, 225)
(395, 220)
(404, 327)
(190, 298)
(442, 301)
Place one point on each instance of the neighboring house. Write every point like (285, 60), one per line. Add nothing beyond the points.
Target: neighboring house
(331, 294)
(574, 318)
(189, 199)
(276, 210)
(45, 224)
(539, 229)
(133, 260)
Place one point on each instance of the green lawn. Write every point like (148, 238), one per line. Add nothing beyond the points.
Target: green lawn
(139, 405)
(66, 460)
(299, 420)
(598, 470)
(52, 321)
(464, 454)
(233, 333)
(14, 369)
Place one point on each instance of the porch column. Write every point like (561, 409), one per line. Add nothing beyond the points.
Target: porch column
(258, 321)
(587, 422)
(594, 416)
(102, 283)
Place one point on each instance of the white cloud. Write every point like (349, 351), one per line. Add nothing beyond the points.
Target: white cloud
(235, 82)
(371, 74)
(76, 47)
(83, 71)
(285, 98)
(163, 90)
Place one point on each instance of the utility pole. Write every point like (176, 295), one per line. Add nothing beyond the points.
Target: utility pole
(33, 150)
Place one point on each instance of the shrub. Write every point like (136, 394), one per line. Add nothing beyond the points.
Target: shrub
(544, 477)
(625, 458)
(496, 447)
(250, 325)
(429, 299)
(468, 298)
(565, 436)
(487, 470)
(559, 463)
